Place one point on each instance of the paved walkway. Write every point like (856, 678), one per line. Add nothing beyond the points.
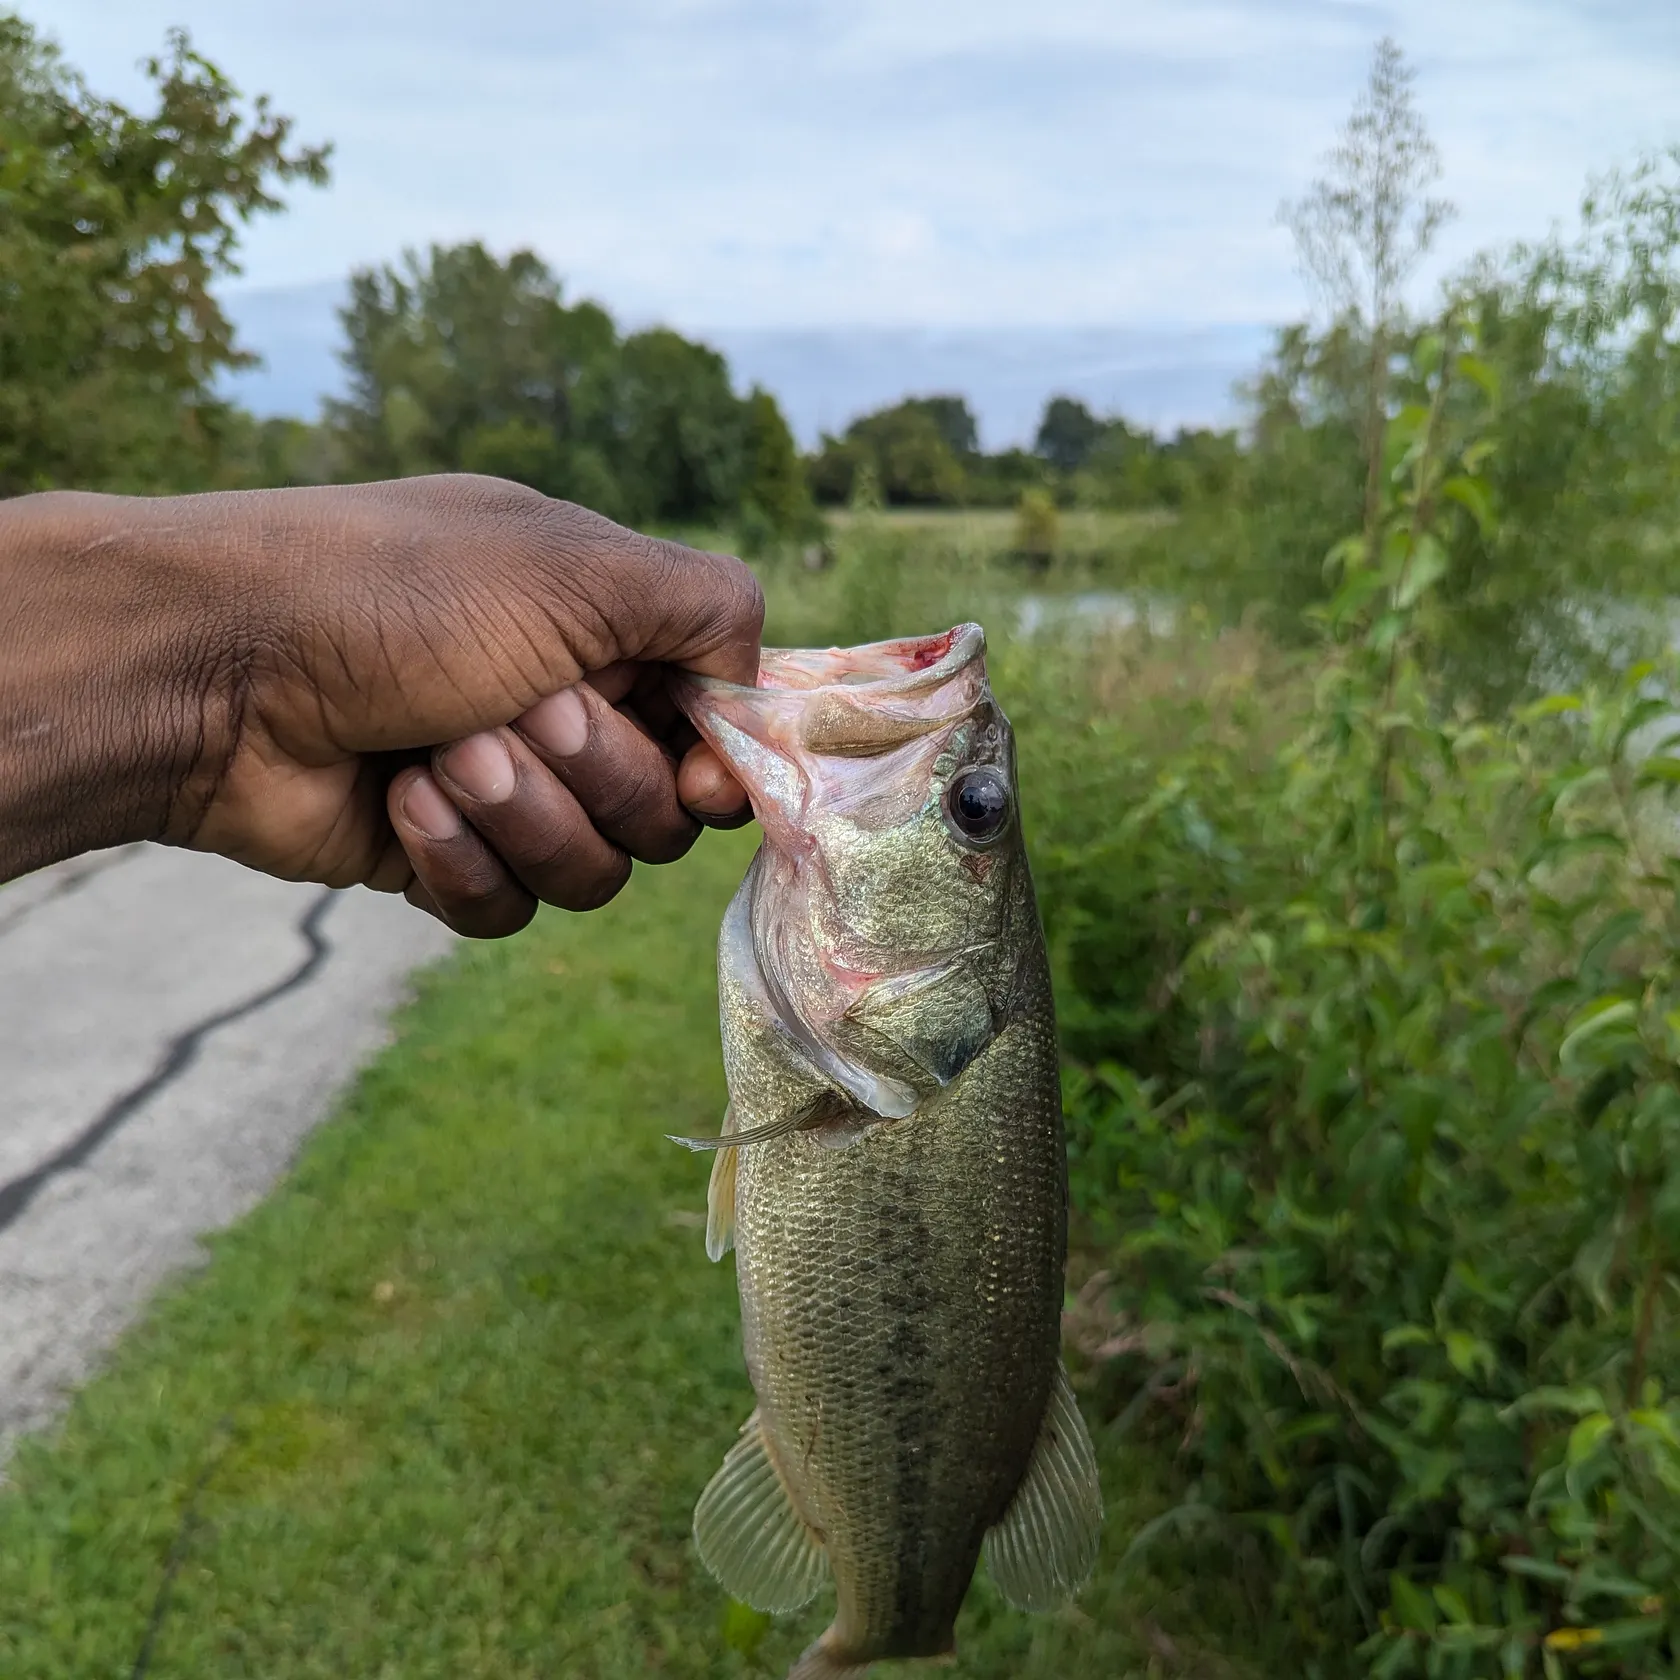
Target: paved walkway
(171, 1026)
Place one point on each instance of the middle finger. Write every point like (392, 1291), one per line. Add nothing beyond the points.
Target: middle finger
(623, 778)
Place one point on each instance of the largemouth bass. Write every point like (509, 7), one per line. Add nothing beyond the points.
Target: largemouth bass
(891, 1172)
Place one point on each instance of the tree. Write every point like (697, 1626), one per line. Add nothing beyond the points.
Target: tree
(679, 433)
(1067, 434)
(1364, 226)
(459, 359)
(832, 471)
(114, 225)
(462, 360)
(952, 419)
(775, 490)
(909, 449)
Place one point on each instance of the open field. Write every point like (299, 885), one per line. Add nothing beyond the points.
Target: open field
(442, 1406)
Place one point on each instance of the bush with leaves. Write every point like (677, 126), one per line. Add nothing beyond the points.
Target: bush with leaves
(1376, 1117)
(116, 227)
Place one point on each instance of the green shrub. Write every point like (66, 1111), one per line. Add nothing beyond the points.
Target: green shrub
(1375, 1112)
(1038, 528)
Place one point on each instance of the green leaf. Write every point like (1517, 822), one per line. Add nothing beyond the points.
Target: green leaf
(1551, 706)
(1406, 1335)
(1575, 1401)
(1615, 933)
(1593, 1261)
(1632, 1630)
(1600, 1017)
(1592, 1582)
(1471, 494)
(1538, 1569)
(1585, 1437)
(1412, 1608)
(1480, 374)
(1427, 563)
(1654, 772)
(1470, 1355)
(1399, 1658)
(1453, 1606)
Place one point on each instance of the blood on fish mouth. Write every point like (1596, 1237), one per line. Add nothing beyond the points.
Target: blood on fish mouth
(886, 664)
(931, 651)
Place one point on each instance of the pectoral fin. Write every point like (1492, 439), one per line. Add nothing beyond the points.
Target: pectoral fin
(1046, 1543)
(720, 1205)
(750, 1537)
(755, 1134)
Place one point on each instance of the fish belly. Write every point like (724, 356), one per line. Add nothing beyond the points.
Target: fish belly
(901, 1305)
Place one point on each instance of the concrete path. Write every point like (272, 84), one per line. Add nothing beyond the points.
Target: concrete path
(171, 1026)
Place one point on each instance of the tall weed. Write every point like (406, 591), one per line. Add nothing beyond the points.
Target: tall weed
(1374, 1020)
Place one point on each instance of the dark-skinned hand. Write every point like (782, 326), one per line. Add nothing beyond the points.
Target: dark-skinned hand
(449, 687)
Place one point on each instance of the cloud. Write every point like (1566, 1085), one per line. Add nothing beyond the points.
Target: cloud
(958, 163)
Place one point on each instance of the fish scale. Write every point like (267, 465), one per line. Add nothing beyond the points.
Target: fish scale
(900, 1272)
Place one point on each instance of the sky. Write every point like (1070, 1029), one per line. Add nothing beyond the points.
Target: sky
(770, 165)
(777, 163)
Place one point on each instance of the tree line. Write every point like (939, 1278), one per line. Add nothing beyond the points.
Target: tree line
(117, 225)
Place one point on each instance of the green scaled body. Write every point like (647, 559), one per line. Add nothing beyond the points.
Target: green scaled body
(892, 1175)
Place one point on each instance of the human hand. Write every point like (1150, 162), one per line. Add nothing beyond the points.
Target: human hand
(450, 687)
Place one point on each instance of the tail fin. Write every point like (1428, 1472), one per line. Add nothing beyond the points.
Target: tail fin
(818, 1664)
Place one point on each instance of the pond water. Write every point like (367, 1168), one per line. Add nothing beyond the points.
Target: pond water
(1097, 609)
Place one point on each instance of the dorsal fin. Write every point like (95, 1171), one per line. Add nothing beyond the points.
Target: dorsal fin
(1046, 1544)
(750, 1536)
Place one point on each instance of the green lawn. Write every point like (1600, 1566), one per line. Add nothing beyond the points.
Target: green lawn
(442, 1406)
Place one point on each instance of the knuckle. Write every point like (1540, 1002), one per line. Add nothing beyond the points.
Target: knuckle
(639, 808)
(630, 797)
(749, 599)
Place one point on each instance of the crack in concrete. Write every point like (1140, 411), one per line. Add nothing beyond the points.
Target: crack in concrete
(72, 880)
(179, 1055)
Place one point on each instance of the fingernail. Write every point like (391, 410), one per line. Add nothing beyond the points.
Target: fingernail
(559, 724)
(424, 805)
(481, 768)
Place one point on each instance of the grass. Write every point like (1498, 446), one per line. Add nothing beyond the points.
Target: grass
(441, 1407)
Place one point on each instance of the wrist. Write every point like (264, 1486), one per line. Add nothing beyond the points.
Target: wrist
(108, 677)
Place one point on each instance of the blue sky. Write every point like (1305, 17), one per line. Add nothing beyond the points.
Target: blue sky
(945, 163)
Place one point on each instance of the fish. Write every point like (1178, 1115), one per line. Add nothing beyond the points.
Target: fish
(891, 1171)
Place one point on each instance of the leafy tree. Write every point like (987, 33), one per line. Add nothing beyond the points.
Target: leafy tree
(775, 490)
(1067, 434)
(908, 446)
(833, 470)
(1120, 468)
(114, 225)
(461, 360)
(913, 456)
(679, 433)
(1000, 480)
(274, 453)
(952, 419)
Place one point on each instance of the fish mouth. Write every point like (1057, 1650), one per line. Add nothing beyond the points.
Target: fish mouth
(905, 667)
(858, 702)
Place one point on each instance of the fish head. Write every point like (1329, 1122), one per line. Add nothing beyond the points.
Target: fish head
(887, 898)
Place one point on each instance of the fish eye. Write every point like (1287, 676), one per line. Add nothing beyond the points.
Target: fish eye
(978, 804)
